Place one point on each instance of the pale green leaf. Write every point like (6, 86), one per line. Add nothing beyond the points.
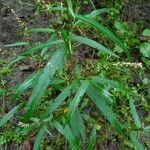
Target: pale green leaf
(145, 49)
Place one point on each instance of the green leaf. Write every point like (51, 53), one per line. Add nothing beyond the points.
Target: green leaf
(39, 138)
(17, 44)
(104, 108)
(135, 115)
(92, 44)
(70, 8)
(92, 140)
(136, 143)
(9, 115)
(45, 30)
(77, 126)
(102, 29)
(146, 32)
(92, 15)
(58, 100)
(145, 49)
(67, 133)
(111, 83)
(43, 81)
(40, 46)
(27, 83)
(76, 100)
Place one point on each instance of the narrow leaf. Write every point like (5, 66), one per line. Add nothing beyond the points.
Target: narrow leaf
(9, 115)
(92, 44)
(104, 108)
(111, 83)
(43, 81)
(17, 44)
(135, 115)
(39, 138)
(45, 30)
(104, 30)
(58, 100)
(76, 100)
(92, 140)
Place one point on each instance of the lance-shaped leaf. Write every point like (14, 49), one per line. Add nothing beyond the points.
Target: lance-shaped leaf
(104, 108)
(9, 115)
(43, 81)
(39, 138)
(67, 133)
(92, 44)
(92, 139)
(58, 100)
(135, 115)
(17, 44)
(70, 7)
(104, 30)
(37, 30)
(92, 15)
(76, 100)
(111, 83)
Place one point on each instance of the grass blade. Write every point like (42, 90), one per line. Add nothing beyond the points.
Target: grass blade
(135, 115)
(39, 138)
(9, 115)
(92, 44)
(76, 100)
(104, 30)
(43, 82)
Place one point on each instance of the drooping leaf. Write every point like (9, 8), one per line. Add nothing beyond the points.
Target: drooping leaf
(9, 115)
(76, 100)
(39, 138)
(92, 44)
(43, 81)
(92, 139)
(136, 143)
(135, 115)
(104, 30)
(17, 44)
(104, 108)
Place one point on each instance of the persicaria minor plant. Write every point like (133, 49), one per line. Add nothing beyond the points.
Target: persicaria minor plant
(71, 122)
